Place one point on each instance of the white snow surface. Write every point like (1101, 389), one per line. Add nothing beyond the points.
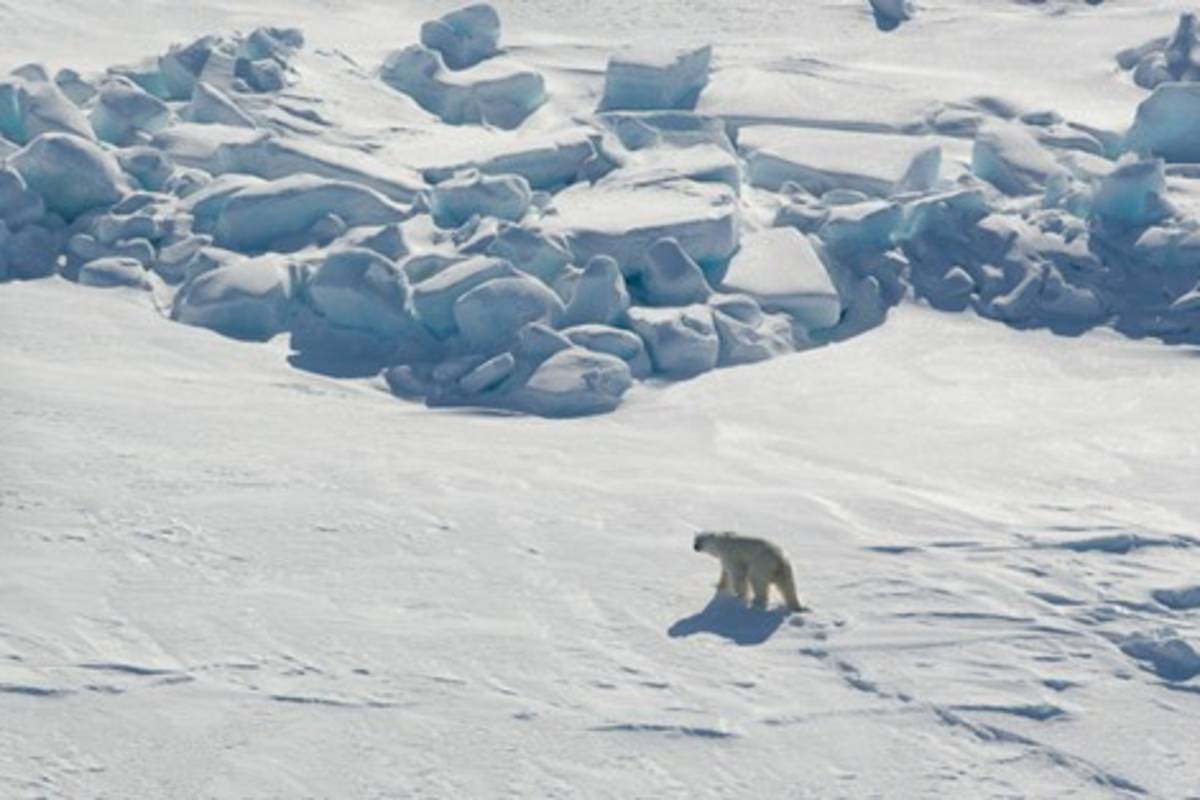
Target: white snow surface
(226, 574)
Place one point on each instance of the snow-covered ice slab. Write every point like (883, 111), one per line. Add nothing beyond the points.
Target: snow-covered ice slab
(247, 299)
(495, 92)
(1168, 123)
(822, 159)
(780, 268)
(464, 37)
(547, 159)
(624, 221)
(272, 157)
(655, 80)
(753, 95)
(71, 174)
(275, 214)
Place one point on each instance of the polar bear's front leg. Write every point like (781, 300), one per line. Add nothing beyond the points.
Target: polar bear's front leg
(740, 582)
(723, 583)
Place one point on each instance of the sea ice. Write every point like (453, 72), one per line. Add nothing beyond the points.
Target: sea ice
(360, 289)
(682, 342)
(598, 294)
(623, 344)
(30, 108)
(210, 105)
(434, 298)
(819, 160)
(655, 81)
(492, 93)
(1167, 124)
(489, 315)
(780, 269)
(126, 114)
(454, 201)
(114, 271)
(247, 299)
(281, 213)
(71, 174)
(1011, 159)
(573, 382)
(670, 277)
(464, 37)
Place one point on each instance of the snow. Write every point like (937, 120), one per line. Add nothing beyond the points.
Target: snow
(324, 530)
(779, 268)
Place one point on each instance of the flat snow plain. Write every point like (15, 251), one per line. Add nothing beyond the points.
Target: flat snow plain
(226, 577)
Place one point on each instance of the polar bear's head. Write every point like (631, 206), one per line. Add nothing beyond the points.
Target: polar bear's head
(706, 541)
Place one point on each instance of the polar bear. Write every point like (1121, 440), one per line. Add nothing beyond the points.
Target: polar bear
(748, 559)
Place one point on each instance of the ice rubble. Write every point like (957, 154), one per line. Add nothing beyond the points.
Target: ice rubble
(464, 37)
(1165, 59)
(542, 270)
(493, 92)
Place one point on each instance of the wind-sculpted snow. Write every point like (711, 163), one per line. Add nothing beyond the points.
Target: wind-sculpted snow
(503, 217)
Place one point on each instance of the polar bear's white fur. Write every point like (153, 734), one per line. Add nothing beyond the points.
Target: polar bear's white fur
(750, 561)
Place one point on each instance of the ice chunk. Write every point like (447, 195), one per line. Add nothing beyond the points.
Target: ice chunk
(387, 240)
(210, 105)
(492, 93)
(464, 37)
(114, 271)
(1164, 652)
(1008, 157)
(542, 256)
(470, 192)
(434, 298)
(623, 344)
(655, 80)
(489, 315)
(671, 278)
(74, 87)
(698, 162)
(272, 157)
(1132, 195)
(573, 382)
(819, 160)
(31, 251)
(18, 205)
(624, 221)
(890, 13)
(781, 270)
(548, 160)
(599, 294)
(360, 289)
(743, 342)
(1163, 60)
(71, 174)
(199, 145)
(682, 341)
(31, 108)
(83, 247)
(1167, 123)
(537, 342)
(125, 113)
(861, 226)
(489, 374)
(182, 65)
(280, 213)
(247, 299)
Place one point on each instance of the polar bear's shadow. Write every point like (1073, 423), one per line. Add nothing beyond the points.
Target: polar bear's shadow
(728, 618)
